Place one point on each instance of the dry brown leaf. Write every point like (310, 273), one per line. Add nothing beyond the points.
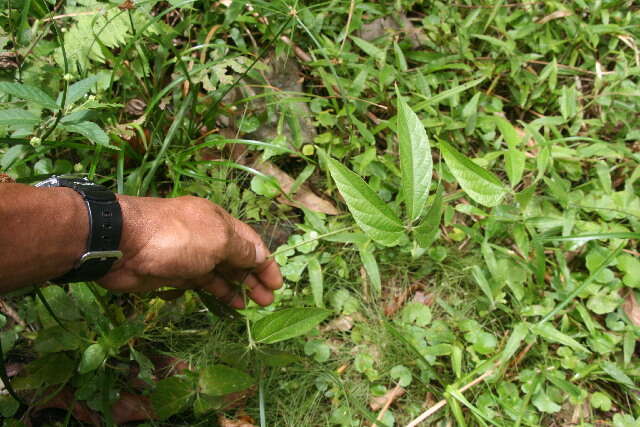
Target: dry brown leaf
(396, 298)
(244, 421)
(424, 298)
(65, 400)
(378, 403)
(304, 197)
(631, 308)
(555, 15)
(5, 179)
(342, 323)
(132, 407)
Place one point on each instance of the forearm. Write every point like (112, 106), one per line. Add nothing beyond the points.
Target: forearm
(43, 232)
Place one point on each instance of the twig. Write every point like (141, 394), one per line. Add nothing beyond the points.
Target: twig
(441, 404)
(301, 54)
(632, 252)
(71, 15)
(352, 6)
(392, 396)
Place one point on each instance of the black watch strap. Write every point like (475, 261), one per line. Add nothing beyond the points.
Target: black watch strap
(105, 230)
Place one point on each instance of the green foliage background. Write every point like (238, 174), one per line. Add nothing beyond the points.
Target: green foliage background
(483, 156)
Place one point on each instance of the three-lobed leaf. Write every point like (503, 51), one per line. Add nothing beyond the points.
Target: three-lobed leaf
(373, 215)
(29, 93)
(288, 323)
(415, 160)
(481, 185)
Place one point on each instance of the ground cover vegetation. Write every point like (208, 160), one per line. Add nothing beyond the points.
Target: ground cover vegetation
(449, 188)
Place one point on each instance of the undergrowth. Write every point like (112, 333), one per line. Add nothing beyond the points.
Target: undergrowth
(488, 257)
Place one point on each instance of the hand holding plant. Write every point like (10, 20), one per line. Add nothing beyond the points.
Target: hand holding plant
(189, 242)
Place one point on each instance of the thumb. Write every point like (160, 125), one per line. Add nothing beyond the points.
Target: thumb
(245, 248)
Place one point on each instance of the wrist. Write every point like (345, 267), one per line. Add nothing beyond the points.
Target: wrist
(73, 228)
(133, 225)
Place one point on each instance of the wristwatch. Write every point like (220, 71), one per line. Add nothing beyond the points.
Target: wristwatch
(105, 228)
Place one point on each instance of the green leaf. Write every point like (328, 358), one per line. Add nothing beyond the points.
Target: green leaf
(445, 94)
(318, 349)
(265, 186)
(482, 186)
(29, 93)
(426, 232)
(373, 215)
(171, 396)
(544, 403)
(483, 283)
(92, 358)
(603, 303)
(416, 312)
(288, 323)
(617, 374)
(56, 339)
(219, 380)
(601, 401)
(520, 332)
(631, 267)
(369, 48)
(550, 333)
(568, 102)
(371, 266)
(8, 406)
(514, 161)
(415, 160)
(402, 374)
(509, 133)
(18, 117)
(316, 281)
(78, 90)
(89, 130)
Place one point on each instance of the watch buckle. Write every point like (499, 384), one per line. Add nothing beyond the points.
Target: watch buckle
(99, 255)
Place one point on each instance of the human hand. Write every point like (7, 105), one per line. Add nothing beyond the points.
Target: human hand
(191, 243)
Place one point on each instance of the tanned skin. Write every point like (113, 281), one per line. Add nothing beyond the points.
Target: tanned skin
(185, 242)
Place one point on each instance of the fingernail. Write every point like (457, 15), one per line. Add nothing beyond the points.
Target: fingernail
(261, 254)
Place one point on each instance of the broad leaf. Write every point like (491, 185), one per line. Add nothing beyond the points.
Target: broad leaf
(482, 186)
(18, 117)
(288, 323)
(78, 90)
(218, 380)
(171, 396)
(427, 231)
(92, 358)
(89, 130)
(415, 160)
(29, 93)
(373, 215)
